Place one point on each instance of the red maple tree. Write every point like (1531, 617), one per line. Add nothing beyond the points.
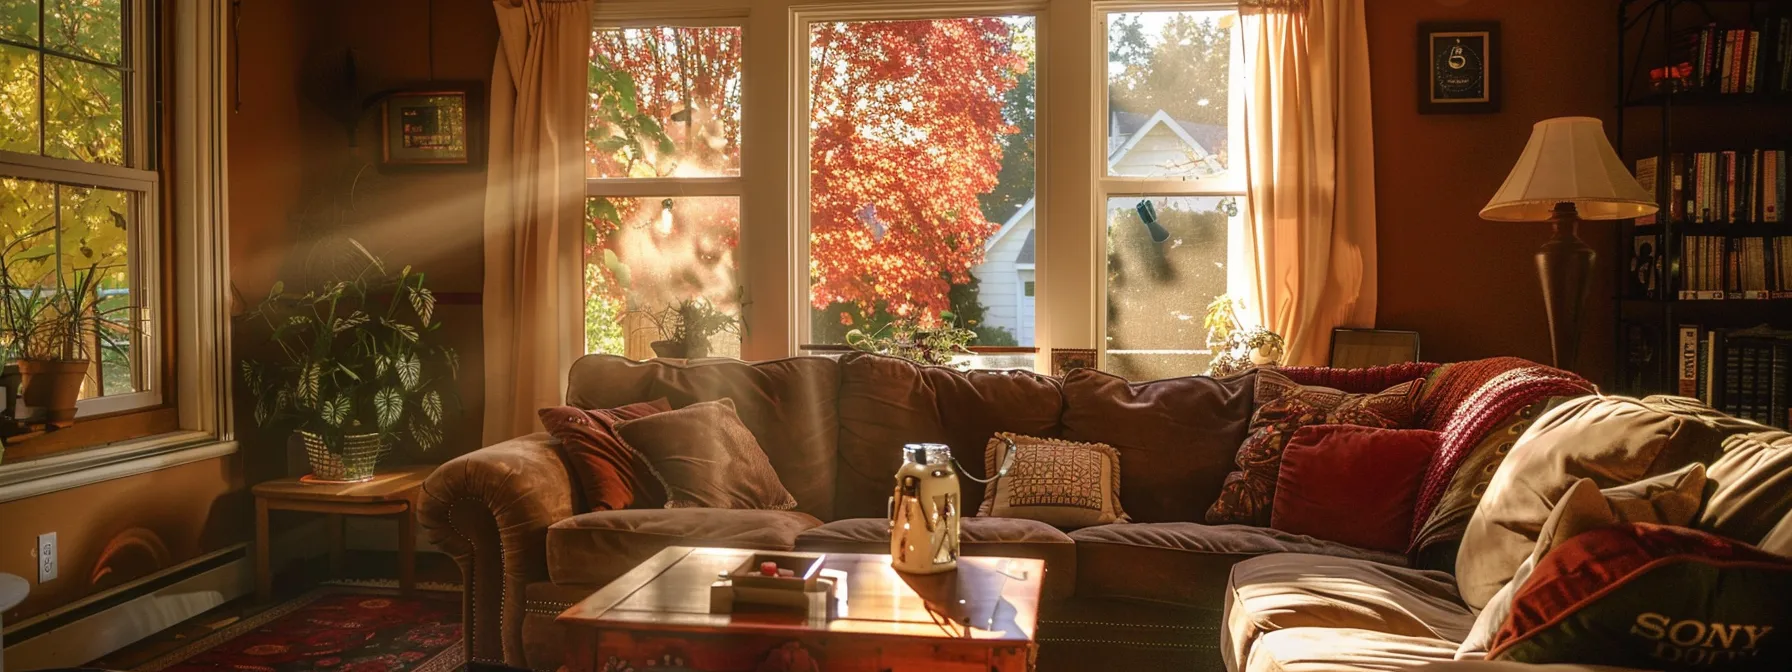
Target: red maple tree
(905, 127)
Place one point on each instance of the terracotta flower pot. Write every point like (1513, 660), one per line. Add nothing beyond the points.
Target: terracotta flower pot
(53, 385)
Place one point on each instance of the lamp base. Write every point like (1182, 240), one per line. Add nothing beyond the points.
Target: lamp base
(1565, 266)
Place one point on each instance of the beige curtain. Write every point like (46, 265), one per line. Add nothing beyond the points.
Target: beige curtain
(535, 191)
(1309, 154)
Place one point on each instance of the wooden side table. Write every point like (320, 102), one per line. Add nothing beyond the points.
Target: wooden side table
(390, 493)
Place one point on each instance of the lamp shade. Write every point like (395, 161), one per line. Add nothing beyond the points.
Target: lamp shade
(1569, 160)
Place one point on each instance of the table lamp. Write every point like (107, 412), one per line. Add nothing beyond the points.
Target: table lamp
(1568, 172)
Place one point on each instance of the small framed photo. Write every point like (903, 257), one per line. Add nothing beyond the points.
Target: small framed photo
(1065, 360)
(1459, 67)
(431, 127)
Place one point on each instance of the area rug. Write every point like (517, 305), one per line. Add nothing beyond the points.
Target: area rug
(333, 630)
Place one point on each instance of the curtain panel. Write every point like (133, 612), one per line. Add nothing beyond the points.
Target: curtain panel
(535, 202)
(1309, 156)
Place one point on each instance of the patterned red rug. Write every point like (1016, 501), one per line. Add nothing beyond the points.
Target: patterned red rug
(334, 630)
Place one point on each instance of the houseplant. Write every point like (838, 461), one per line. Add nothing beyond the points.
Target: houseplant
(52, 325)
(356, 369)
(685, 328)
(909, 340)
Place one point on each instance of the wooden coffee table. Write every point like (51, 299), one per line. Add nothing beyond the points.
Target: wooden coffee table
(981, 617)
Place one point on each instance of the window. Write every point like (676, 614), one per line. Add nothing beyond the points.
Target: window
(663, 180)
(921, 153)
(78, 189)
(1173, 195)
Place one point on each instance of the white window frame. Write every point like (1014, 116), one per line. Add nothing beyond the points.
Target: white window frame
(1232, 184)
(145, 220)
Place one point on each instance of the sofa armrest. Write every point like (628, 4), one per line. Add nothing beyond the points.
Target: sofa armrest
(490, 509)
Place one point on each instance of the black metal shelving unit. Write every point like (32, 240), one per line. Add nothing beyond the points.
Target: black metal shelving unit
(1687, 121)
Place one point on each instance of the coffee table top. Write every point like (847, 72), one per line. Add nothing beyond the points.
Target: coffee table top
(993, 599)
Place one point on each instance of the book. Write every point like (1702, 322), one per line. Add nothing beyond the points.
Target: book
(1689, 361)
(1646, 176)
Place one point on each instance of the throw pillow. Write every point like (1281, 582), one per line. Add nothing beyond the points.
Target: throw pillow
(609, 475)
(1653, 597)
(1061, 483)
(1352, 485)
(705, 457)
(1612, 440)
(1668, 499)
(1284, 406)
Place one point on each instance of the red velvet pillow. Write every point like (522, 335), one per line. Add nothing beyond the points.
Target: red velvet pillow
(1353, 485)
(609, 475)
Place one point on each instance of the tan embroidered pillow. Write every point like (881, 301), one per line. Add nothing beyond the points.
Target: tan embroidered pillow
(1060, 483)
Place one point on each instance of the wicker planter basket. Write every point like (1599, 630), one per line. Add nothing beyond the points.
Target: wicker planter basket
(360, 454)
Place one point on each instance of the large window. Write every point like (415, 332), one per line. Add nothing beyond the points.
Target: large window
(921, 152)
(78, 186)
(1172, 190)
(663, 175)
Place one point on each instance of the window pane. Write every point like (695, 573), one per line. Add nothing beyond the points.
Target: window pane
(18, 20)
(18, 105)
(84, 106)
(921, 153)
(665, 102)
(644, 257)
(27, 216)
(95, 238)
(1169, 93)
(90, 28)
(1158, 292)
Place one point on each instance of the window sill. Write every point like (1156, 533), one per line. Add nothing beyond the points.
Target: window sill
(77, 468)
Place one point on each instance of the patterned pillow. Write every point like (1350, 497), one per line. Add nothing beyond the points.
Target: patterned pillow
(1284, 406)
(1061, 483)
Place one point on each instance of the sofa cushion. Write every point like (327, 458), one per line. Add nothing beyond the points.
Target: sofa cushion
(1611, 440)
(982, 536)
(595, 548)
(1185, 563)
(886, 402)
(1753, 487)
(1176, 437)
(1061, 483)
(1295, 590)
(704, 457)
(1283, 408)
(1353, 485)
(791, 406)
(1343, 650)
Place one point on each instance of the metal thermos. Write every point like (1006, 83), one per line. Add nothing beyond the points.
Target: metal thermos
(924, 511)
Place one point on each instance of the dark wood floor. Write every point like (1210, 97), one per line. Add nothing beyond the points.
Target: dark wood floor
(293, 582)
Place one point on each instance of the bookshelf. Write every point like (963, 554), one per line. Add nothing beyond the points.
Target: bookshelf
(1704, 99)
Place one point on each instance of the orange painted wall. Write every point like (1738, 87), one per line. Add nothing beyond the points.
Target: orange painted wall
(1470, 286)
(117, 531)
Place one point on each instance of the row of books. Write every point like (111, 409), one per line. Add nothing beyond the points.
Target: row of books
(1727, 186)
(1743, 373)
(1754, 59)
(1715, 267)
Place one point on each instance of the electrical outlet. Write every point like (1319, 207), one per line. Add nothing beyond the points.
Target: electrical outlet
(46, 557)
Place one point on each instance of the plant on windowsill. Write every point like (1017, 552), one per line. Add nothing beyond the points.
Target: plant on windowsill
(53, 327)
(685, 328)
(358, 372)
(1236, 348)
(907, 339)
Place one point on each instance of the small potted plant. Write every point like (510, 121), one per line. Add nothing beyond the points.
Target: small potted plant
(53, 324)
(936, 345)
(357, 371)
(685, 328)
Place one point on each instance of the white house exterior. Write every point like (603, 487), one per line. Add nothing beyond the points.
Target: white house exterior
(1138, 146)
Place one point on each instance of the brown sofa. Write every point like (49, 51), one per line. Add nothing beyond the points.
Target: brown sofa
(1311, 613)
(1142, 595)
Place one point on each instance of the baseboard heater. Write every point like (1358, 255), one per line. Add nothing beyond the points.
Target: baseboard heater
(98, 625)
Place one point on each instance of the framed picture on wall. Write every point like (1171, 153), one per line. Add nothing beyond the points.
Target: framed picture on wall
(1459, 67)
(435, 126)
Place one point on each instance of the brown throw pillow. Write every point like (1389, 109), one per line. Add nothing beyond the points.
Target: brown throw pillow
(1283, 407)
(605, 471)
(1064, 484)
(705, 457)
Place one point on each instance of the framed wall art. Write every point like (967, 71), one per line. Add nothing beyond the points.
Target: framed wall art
(1459, 67)
(435, 126)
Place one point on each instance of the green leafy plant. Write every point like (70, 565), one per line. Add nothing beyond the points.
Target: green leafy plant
(909, 340)
(692, 322)
(51, 318)
(1236, 347)
(356, 356)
